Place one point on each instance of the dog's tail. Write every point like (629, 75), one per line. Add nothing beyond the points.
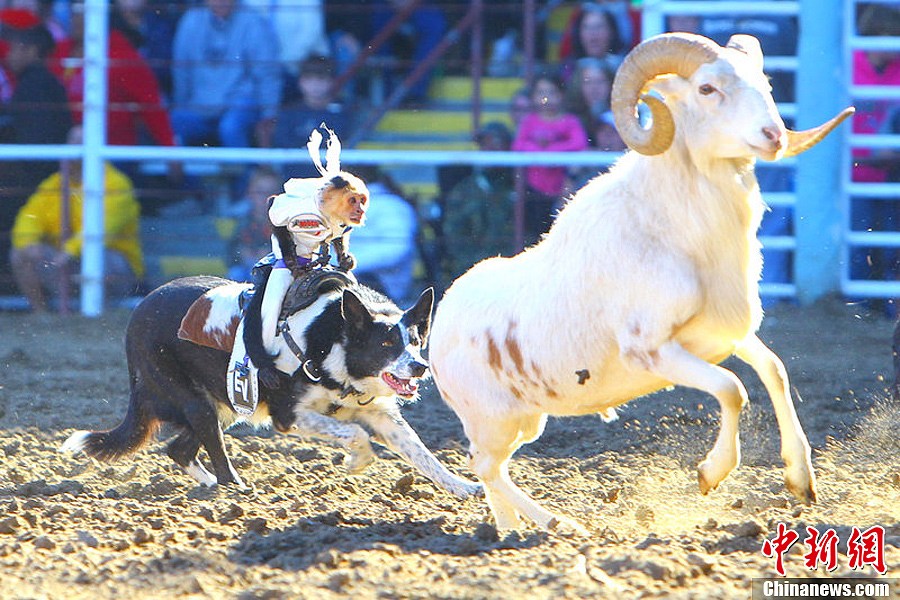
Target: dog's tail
(128, 437)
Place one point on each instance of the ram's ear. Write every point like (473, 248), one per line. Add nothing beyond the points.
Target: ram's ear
(748, 45)
(419, 316)
(355, 313)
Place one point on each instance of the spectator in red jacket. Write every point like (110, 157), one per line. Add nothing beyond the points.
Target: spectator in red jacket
(133, 91)
(135, 114)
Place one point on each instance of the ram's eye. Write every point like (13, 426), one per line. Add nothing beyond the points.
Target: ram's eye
(388, 343)
(706, 89)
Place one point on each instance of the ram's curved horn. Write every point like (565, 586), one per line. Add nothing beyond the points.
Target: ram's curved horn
(678, 53)
(801, 141)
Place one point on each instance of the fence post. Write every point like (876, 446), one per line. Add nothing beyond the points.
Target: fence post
(96, 29)
(820, 95)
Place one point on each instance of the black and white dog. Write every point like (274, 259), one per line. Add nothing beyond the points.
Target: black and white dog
(372, 365)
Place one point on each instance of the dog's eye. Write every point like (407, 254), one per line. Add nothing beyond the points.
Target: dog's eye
(389, 343)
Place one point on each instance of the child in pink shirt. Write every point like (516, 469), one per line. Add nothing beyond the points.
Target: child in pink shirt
(547, 129)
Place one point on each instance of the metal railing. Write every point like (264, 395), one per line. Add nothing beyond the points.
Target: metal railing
(853, 192)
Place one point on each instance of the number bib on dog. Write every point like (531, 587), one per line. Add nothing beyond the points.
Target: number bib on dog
(242, 380)
(243, 387)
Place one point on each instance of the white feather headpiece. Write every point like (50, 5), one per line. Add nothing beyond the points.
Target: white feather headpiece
(332, 152)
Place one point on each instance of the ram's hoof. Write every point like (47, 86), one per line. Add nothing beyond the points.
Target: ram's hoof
(803, 487)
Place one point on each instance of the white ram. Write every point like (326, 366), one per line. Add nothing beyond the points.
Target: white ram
(648, 277)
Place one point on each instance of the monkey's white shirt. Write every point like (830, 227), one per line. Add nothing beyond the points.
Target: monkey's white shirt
(298, 209)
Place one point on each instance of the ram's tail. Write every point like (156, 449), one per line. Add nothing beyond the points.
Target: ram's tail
(128, 437)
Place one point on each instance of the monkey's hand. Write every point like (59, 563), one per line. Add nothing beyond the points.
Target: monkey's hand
(347, 262)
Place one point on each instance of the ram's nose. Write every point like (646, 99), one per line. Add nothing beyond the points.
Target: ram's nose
(775, 135)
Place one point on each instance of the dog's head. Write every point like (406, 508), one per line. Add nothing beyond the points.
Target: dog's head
(383, 355)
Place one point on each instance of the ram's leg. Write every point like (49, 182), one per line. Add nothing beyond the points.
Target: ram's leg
(493, 443)
(352, 437)
(679, 366)
(491, 446)
(488, 465)
(396, 434)
(798, 472)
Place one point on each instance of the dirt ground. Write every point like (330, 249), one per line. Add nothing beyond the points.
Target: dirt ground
(140, 528)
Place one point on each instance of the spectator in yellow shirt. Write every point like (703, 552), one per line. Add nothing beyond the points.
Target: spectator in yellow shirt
(40, 256)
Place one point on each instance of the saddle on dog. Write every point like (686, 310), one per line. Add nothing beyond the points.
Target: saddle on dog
(307, 288)
(242, 378)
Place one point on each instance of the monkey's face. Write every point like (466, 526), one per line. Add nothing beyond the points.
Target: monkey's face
(345, 199)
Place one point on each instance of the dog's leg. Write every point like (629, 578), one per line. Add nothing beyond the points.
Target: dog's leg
(349, 435)
(183, 450)
(400, 438)
(204, 422)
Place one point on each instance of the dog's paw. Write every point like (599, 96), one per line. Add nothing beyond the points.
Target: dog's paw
(357, 462)
(566, 527)
(269, 377)
(464, 489)
(360, 455)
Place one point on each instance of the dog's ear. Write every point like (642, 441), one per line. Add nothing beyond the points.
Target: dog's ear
(354, 311)
(419, 316)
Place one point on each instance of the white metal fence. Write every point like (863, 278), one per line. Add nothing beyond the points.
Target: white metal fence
(861, 240)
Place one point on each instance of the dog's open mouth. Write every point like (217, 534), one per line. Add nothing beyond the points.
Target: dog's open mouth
(405, 388)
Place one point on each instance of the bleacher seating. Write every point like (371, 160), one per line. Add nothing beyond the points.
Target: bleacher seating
(444, 124)
(180, 246)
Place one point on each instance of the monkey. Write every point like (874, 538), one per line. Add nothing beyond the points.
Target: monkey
(310, 215)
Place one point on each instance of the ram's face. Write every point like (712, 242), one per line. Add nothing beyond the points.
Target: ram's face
(735, 90)
(717, 99)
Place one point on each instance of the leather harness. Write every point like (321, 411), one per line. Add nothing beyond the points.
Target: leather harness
(304, 291)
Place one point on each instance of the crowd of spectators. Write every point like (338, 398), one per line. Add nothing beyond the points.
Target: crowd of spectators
(243, 73)
(236, 73)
